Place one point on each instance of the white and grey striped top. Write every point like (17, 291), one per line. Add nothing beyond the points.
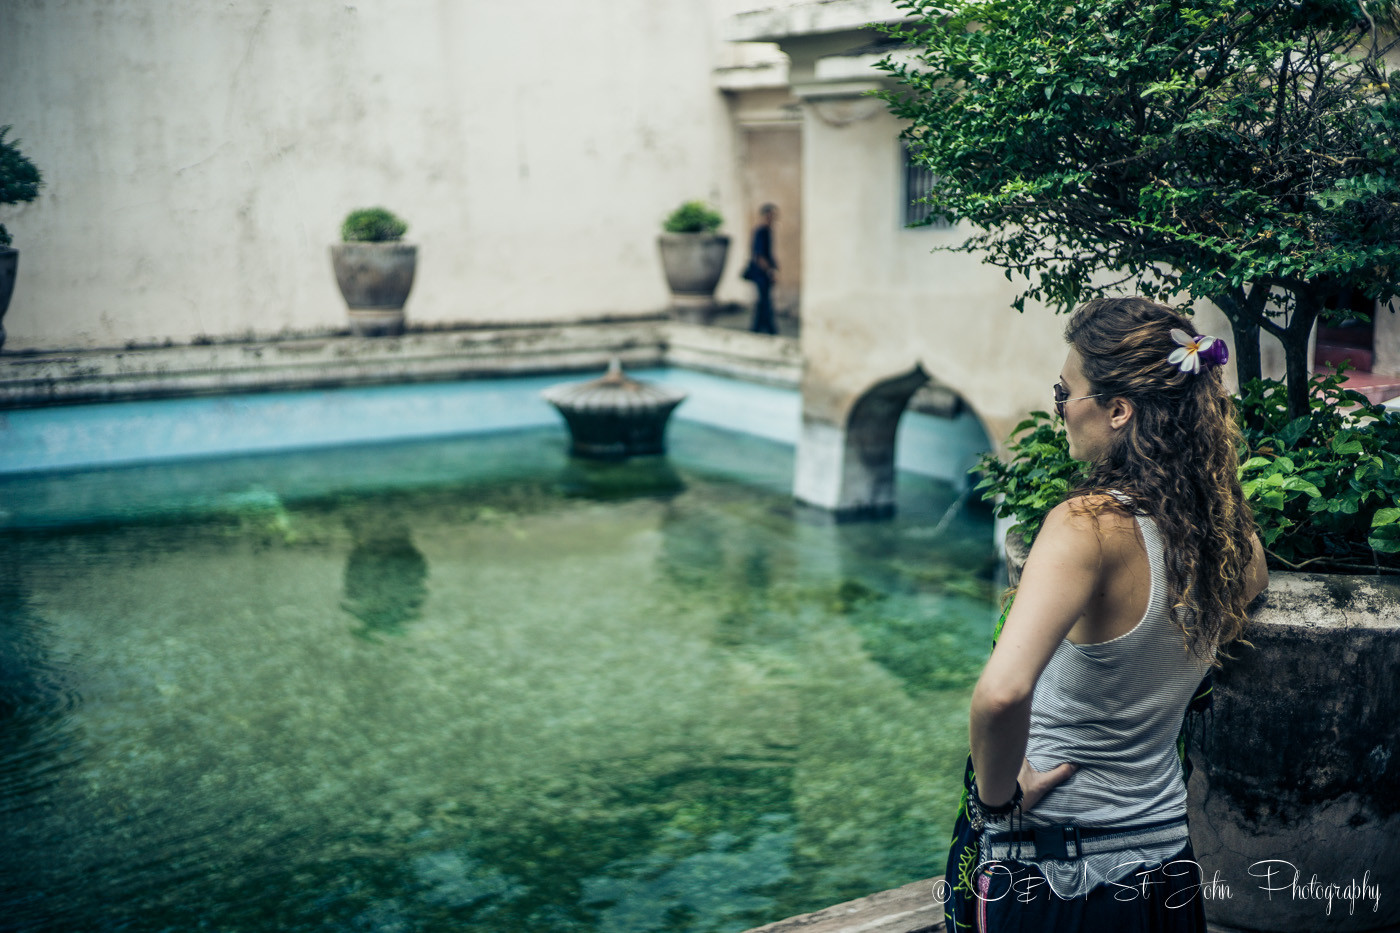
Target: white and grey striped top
(1114, 708)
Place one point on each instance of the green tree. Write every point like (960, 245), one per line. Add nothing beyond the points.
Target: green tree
(1242, 151)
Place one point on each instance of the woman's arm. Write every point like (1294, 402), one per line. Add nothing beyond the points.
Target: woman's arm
(1060, 576)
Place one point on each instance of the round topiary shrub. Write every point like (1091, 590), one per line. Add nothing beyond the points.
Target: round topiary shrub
(693, 217)
(372, 225)
(19, 179)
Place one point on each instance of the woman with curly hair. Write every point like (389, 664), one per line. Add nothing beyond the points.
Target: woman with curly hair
(1135, 583)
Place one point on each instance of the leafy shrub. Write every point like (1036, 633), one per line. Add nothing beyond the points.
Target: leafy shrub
(1325, 487)
(693, 217)
(372, 225)
(1037, 477)
(19, 179)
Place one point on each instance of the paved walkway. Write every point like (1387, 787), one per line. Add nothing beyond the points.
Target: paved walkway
(1378, 387)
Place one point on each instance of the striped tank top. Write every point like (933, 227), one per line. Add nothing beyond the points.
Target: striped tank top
(1114, 708)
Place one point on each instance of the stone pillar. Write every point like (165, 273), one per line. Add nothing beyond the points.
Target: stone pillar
(848, 468)
(1299, 773)
(1387, 339)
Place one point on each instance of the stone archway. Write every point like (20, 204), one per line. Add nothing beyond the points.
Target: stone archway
(848, 467)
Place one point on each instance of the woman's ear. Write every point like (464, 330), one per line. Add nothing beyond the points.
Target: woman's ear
(1120, 412)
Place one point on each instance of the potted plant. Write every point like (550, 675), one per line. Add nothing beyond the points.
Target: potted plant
(374, 270)
(19, 181)
(693, 256)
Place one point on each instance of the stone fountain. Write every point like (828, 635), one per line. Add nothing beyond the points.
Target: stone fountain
(615, 416)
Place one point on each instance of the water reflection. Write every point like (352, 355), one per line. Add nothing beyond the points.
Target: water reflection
(36, 692)
(692, 545)
(606, 480)
(385, 576)
(39, 745)
(17, 687)
(645, 714)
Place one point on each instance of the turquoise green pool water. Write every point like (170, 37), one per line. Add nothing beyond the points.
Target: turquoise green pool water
(475, 685)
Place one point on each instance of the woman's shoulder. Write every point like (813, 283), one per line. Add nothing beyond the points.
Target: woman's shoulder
(1095, 511)
(1096, 524)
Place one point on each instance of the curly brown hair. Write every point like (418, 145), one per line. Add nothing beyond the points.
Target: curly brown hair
(1176, 459)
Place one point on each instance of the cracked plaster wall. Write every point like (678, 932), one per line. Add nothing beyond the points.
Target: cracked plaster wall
(199, 160)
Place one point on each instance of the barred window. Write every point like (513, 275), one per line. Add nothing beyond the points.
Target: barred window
(919, 183)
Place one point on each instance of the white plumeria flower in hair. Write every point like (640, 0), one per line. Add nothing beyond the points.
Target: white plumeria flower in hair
(1187, 356)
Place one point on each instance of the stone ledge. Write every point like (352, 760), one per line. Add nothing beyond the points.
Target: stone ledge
(910, 909)
(811, 18)
(63, 377)
(753, 357)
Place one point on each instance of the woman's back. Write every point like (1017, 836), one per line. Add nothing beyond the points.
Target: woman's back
(1115, 708)
(1074, 720)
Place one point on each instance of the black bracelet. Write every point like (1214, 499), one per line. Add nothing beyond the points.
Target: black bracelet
(979, 811)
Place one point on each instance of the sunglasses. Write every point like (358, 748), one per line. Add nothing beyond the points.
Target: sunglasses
(1062, 396)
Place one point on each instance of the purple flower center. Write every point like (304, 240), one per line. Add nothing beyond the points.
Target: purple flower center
(1217, 354)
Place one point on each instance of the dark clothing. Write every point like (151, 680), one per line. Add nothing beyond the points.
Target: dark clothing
(762, 246)
(763, 320)
(1014, 897)
(761, 257)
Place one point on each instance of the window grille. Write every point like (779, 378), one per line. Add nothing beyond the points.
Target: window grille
(919, 183)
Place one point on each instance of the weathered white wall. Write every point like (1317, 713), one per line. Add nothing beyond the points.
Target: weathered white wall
(877, 301)
(199, 161)
(200, 158)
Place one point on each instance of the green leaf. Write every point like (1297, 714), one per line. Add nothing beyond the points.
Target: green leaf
(1298, 484)
(1385, 539)
(1385, 517)
(1295, 431)
(1346, 445)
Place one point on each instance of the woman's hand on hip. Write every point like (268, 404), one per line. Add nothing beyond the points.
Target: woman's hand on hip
(1036, 784)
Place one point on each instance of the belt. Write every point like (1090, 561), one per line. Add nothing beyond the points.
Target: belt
(1066, 841)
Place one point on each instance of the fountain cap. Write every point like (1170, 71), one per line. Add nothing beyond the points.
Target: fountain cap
(613, 391)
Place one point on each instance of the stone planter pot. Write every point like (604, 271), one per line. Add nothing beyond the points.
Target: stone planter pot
(693, 263)
(1298, 772)
(9, 266)
(1302, 763)
(375, 279)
